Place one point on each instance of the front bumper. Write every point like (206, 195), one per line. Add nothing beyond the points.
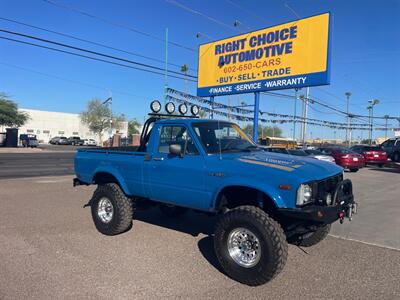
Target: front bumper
(343, 207)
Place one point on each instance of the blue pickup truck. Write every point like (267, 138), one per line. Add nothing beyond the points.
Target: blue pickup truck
(262, 200)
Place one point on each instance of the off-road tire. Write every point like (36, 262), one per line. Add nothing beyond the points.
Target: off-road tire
(315, 237)
(274, 247)
(122, 209)
(172, 210)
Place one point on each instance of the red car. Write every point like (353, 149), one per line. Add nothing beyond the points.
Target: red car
(346, 158)
(372, 154)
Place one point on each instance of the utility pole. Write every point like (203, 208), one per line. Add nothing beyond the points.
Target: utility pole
(294, 115)
(348, 94)
(386, 125)
(306, 113)
(370, 107)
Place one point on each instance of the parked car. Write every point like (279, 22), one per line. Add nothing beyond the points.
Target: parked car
(89, 142)
(392, 148)
(319, 155)
(297, 152)
(28, 140)
(345, 158)
(275, 149)
(373, 155)
(75, 141)
(263, 200)
(59, 140)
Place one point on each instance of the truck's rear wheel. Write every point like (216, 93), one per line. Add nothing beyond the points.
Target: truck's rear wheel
(250, 246)
(111, 210)
(172, 210)
(314, 238)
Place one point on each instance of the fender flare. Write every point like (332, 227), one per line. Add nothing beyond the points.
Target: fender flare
(115, 173)
(267, 189)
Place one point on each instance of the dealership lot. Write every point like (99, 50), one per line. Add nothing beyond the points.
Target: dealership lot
(50, 249)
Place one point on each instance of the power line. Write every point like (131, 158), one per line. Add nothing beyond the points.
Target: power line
(196, 12)
(245, 10)
(88, 41)
(89, 57)
(91, 52)
(109, 22)
(69, 80)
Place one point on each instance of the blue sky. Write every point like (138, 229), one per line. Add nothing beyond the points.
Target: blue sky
(365, 50)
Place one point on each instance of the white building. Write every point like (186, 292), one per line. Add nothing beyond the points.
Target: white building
(48, 124)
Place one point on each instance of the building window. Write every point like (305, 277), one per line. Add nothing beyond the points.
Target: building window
(75, 133)
(30, 131)
(61, 132)
(46, 131)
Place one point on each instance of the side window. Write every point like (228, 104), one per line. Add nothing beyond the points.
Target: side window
(176, 135)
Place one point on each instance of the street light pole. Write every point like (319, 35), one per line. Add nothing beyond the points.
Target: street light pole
(348, 130)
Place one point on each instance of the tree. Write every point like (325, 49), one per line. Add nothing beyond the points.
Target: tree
(185, 70)
(272, 131)
(133, 127)
(202, 114)
(9, 114)
(97, 117)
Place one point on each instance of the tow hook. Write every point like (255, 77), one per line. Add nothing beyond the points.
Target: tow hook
(349, 212)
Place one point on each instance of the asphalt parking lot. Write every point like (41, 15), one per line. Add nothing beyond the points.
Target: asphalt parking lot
(49, 249)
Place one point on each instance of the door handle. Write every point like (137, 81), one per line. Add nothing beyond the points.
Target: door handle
(158, 158)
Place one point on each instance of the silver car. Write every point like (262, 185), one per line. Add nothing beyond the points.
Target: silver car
(319, 155)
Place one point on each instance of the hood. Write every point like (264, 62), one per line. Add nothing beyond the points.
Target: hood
(303, 168)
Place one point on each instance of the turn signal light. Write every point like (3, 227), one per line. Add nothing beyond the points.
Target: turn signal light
(285, 187)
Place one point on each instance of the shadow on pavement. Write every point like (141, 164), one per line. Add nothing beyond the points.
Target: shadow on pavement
(389, 170)
(191, 223)
(206, 247)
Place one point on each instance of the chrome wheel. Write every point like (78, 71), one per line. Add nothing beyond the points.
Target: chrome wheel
(105, 210)
(244, 247)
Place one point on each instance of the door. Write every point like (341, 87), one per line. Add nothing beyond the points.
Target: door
(388, 146)
(177, 179)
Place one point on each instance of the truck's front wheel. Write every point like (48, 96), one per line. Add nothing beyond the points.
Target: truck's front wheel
(250, 246)
(111, 210)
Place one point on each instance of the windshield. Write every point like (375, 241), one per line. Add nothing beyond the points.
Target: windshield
(345, 151)
(372, 148)
(223, 136)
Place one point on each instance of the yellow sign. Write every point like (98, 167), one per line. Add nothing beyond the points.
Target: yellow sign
(290, 55)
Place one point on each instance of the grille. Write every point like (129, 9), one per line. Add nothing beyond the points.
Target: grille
(324, 187)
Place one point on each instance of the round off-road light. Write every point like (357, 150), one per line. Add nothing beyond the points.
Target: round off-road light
(194, 110)
(328, 199)
(182, 109)
(155, 106)
(170, 107)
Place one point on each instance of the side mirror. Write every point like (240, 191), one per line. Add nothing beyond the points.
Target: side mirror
(176, 149)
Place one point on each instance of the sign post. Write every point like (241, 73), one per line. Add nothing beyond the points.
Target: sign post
(256, 114)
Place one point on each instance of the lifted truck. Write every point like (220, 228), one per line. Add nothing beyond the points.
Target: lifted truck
(263, 200)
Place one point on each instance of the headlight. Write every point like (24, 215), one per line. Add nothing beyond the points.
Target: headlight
(304, 194)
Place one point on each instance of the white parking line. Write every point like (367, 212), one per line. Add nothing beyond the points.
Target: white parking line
(363, 242)
(42, 179)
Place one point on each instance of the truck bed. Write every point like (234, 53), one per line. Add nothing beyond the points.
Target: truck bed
(114, 149)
